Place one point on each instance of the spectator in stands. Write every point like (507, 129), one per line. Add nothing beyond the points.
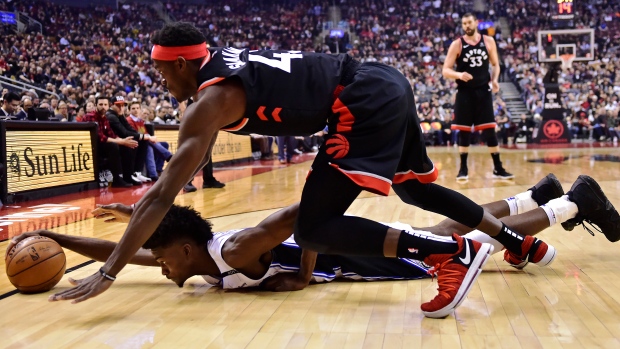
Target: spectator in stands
(111, 147)
(157, 152)
(132, 171)
(525, 127)
(10, 105)
(26, 107)
(503, 125)
(62, 113)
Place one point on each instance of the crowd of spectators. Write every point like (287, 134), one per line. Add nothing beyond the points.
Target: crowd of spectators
(590, 90)
(99, 51)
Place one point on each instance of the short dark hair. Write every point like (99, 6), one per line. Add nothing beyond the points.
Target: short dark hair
(135, 102)
(101, 97)
(178, 34)
(11, 96)
(470, 14)
(181, 222)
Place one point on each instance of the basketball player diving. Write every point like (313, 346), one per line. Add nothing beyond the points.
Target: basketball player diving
(374, 143)
(267, 256)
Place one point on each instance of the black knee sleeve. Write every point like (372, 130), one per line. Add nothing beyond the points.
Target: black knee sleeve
(444, 201)
(464, 138)
(490, 137)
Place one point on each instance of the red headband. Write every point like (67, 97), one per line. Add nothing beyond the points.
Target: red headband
(171, 53)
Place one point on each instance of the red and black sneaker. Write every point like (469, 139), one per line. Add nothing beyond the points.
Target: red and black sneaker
(532, 250)
(456, 274)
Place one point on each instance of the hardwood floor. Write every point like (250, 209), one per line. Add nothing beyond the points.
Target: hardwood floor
(573, 303)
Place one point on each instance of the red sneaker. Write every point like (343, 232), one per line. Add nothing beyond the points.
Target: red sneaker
(455, 275)
(533, 250)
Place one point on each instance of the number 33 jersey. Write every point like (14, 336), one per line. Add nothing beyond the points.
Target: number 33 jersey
(474, 59)
(287, 92)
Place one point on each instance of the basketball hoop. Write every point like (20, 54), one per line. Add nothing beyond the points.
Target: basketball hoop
(567, 60)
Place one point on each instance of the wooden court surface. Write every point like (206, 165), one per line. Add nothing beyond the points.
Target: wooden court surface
(574, 303)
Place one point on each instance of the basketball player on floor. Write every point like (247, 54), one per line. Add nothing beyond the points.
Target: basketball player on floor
(267, 255)
(374, 142)
(474, 99)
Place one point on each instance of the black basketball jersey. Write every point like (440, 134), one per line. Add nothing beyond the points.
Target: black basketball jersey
(287, 92)
(474, 59)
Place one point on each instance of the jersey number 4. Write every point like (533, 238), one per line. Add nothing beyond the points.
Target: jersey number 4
(283, 63)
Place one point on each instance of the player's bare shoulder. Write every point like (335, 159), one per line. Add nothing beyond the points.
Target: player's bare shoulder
(489, 41)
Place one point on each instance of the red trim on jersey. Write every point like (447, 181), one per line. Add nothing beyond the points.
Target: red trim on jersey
(171, 53)
(209, 83)
(238, 126)
(428, 177)
(276, 114)
(486, 42)
(485, 126)
(337, 91)
(464, 39)
(261, 113)
(368, 181)
(346, 119)
(461, 127)
(206, 60)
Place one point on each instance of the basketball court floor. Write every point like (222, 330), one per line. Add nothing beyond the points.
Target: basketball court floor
(574, 303)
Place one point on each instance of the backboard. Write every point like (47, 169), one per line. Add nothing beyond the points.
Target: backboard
(552, 44)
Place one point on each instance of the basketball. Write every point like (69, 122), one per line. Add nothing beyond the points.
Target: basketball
(35, 264)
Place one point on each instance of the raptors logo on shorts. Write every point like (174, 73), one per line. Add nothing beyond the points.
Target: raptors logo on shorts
(337, 146)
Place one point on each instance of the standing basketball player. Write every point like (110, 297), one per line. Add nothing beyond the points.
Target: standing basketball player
(374, 142)
(474, 99)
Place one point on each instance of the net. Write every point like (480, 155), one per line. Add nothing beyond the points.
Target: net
(567, 61)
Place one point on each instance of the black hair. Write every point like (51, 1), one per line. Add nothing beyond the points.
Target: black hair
(11, 96)
(101, 97)
(178, 34)
(469, 14)
(181, 222)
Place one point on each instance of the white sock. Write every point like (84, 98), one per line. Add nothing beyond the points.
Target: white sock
(481, 237)
(512, 203)
(560, 210)
(521, 203)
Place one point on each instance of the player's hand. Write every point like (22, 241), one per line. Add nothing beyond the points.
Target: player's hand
(16, 239)
(494, 86)
(465, 76)
(284, 282)
(84, 289)
(113, 213)
(153, 139)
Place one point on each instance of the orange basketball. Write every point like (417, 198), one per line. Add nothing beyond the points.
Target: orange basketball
(35, 264)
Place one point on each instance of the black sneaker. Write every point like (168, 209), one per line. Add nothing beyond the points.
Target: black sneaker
(120, 183)
(547, 189)
(462, 176)
(213, 184)
(189, 188)
(594, 208)
(502, 174)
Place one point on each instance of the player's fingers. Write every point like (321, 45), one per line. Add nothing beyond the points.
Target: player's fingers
(67, 294)
(111, 220)
(83, 298)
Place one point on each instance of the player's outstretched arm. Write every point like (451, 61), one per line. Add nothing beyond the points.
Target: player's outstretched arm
(217, 106)
(96, 249)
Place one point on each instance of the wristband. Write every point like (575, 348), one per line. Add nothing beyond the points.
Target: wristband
(106, 275)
